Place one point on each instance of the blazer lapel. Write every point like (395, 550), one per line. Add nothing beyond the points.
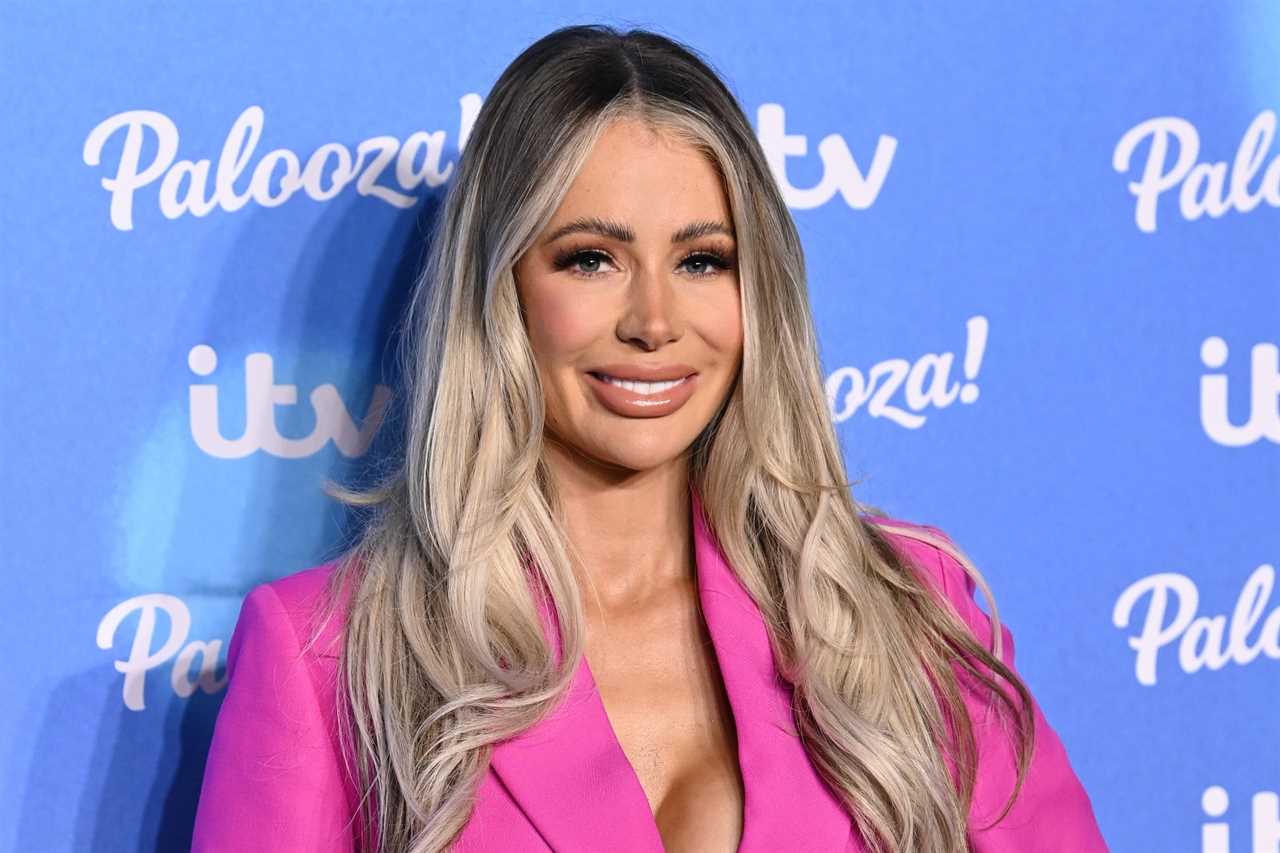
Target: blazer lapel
(571, 778)
(569, 775)
(788, 806)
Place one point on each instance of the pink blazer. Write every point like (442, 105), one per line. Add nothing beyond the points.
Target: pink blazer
(274, 779)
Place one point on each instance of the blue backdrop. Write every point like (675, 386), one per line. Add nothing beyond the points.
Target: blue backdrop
(1044, 265)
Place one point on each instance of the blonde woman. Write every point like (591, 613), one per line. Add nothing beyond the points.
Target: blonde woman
(616, 594)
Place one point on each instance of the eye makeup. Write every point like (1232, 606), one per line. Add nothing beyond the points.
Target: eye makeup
(710, 257)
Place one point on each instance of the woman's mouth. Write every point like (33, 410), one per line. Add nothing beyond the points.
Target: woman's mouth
(634, 398)
(640, 387)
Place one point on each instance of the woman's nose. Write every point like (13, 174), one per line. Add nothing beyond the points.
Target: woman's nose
(650, 316)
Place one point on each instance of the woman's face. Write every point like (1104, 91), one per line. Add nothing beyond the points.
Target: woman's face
(635, 280)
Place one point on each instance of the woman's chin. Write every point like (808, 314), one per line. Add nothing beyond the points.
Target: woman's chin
(635, 453)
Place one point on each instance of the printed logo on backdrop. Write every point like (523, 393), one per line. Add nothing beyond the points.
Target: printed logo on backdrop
(1212, 187)
(839, 170)
(1172, 623)
(1215, 836)
(174, 650)
(333, 422)
(903, 390)
(1263, 420)
(182, 186)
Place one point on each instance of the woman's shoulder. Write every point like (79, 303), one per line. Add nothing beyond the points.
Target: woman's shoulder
(303, 588)
(928, 548)
(292, 609)
(275, 777)
(937, 557)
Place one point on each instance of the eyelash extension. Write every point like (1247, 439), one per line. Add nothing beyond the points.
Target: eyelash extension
(715, 258)
(569, 257)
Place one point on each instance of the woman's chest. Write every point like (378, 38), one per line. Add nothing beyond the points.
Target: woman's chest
(665, 700)
(666, 718)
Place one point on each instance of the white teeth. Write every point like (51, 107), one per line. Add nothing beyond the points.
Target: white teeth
(641, 387)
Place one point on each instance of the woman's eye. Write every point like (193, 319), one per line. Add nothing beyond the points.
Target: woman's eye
(705, 263)
(585, 263)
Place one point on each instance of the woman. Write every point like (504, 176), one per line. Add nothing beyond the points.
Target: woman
(617, 449)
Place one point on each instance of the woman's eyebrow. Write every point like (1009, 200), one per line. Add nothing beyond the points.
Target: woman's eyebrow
(701, 228)
(623, 234)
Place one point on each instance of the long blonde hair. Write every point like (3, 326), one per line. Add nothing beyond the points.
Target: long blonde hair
(444, 652)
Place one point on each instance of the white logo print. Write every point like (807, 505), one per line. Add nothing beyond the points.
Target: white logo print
(142, 659)
(1215, 837)
(927, 382)
(417, 162)
(1203, 641)
(839, 171)
(262, 395)
(1264, 395)
(1212, 188)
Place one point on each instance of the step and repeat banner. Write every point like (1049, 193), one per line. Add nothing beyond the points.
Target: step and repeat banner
(1044, 255)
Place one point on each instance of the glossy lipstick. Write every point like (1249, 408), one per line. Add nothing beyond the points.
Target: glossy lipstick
(633, 391)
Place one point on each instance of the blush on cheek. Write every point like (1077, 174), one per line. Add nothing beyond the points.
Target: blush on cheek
(721, 327)
(561, 324)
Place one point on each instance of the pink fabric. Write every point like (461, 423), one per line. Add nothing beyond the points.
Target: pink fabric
(274, 779)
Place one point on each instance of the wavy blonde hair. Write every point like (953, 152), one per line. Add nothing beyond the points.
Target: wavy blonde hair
(444, 652)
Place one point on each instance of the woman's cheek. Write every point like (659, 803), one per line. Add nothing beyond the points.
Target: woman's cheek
(564, 323)
(722, 321)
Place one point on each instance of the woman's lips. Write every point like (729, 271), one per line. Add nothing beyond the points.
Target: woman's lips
(632, 404)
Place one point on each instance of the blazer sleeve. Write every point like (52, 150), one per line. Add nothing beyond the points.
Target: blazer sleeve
(1052, 812)
(273, 780)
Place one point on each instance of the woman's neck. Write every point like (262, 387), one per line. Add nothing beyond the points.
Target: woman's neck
(630, 530)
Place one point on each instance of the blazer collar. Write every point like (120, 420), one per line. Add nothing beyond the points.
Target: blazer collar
(571, 778)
